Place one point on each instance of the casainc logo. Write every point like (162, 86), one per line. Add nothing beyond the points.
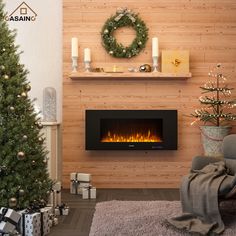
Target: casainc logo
(22, 13)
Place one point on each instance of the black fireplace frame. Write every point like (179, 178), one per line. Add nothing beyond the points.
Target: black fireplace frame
(170, 129)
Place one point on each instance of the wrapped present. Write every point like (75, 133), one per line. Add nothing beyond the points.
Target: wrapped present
(45, 218)
(55, 196)
(8, 220)
(63, 209)
(35, 223)
(30, 224)
(78, 181)
(175, 61)
(89, 192)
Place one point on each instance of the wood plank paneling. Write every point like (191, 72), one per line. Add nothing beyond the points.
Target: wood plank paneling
(206, 28)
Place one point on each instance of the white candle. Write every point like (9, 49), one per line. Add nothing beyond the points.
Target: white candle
(87, 55)
(74, 47)
(155, 49)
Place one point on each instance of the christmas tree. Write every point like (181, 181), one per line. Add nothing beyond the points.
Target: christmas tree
(217, 106)
(24, 180)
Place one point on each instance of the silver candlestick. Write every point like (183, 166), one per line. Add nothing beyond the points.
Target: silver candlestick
(74, 64)
(87, 66)
(155, 63)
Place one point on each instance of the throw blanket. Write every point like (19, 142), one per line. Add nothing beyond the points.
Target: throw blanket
(199, 198)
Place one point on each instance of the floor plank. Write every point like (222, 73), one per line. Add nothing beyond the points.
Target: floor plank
(79, 220)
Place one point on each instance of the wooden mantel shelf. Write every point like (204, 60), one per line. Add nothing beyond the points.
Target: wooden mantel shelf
(129, 76)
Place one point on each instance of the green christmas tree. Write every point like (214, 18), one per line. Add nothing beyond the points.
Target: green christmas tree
(24, 180)
(217, 105)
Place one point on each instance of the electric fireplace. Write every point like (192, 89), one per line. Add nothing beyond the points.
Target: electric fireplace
(131, 129)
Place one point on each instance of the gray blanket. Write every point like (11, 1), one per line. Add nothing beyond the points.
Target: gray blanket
(199, 198)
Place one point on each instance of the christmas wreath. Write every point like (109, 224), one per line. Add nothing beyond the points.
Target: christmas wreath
(123, 18)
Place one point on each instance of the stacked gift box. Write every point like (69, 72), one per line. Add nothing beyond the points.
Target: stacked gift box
(55, 196)
(80, 183)
(8, 220)
(62, 209)
(35, 223)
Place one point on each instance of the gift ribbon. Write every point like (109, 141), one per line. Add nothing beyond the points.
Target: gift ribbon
(5, 218)
(124, 12)
(76, 182)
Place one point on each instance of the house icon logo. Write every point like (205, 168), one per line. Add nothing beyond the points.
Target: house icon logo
(22, 13)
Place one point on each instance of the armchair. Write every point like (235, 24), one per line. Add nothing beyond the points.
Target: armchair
(228, 187)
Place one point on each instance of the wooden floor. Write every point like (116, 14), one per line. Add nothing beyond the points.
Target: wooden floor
(79, 220)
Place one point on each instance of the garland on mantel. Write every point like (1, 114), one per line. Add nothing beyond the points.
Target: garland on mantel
(123, 18)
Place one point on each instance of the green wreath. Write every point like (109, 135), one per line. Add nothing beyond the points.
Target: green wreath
(124, 17)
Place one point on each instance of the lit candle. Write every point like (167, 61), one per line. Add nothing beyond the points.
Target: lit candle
(87, 55)
(155, 50)
(74, 47)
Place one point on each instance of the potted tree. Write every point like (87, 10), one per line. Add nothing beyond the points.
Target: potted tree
(216, 112)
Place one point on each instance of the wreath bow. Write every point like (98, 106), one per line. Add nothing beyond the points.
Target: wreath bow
(124, 12)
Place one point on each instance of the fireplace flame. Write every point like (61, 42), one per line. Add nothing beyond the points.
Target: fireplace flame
(131, 138)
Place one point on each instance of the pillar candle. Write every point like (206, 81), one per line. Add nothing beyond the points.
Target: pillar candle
(155, 49)
(74, 47)
(87, 55)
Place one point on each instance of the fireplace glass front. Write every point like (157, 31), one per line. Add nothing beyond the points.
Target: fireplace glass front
(131, 130)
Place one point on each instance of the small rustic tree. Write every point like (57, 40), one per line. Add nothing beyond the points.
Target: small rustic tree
(216, 106)
(24, 179)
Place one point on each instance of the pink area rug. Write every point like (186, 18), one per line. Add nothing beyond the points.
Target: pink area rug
(147, 218)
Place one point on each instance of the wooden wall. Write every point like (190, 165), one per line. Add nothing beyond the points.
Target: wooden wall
(206, 28)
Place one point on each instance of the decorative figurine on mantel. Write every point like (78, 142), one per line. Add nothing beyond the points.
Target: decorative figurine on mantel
(49, 105)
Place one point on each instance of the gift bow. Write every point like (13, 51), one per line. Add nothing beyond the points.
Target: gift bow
(124, 12)
(4, 212)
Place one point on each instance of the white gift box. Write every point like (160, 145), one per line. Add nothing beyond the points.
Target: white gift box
(45, 218)
(79, 181)
(63, 211)
(31, 224)
(89, 193)
(11, 219)
(55, 196)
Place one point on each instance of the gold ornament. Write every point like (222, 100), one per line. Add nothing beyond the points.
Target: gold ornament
(12, 108)
(21, 192)
(2, 67)
(25, 137)
(40, 139)
(20, 155)
(24, 94)
(33, 162)
(40, 126)
(28, 87)
(6, 77)
(12, 202)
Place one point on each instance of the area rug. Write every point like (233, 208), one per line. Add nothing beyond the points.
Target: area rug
(147, 218)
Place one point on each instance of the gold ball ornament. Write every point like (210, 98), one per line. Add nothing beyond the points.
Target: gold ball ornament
(25, 137)
(12, 108)
(40, 139)
(6, 77)
(20, 155)
(40, 126)
(24, 94)
(2, 67)
(21, 192)
(33, 162)
(12, 202)
(4, 49)
(28, 87)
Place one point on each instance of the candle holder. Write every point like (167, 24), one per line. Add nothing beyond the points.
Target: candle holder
(155, 63)
(74, 64)
(87, 66)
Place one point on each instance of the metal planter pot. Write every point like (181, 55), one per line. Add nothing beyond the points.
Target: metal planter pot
(212, 139)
